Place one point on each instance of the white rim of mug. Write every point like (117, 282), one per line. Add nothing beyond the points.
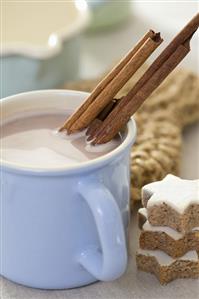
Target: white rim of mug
(61, 36)
(94, 163)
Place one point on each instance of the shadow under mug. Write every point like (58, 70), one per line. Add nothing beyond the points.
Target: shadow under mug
(66, 227)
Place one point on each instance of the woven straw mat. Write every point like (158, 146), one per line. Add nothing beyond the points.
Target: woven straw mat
(160, 121)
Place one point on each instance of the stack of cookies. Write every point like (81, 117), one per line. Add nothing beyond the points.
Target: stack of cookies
(169, 223)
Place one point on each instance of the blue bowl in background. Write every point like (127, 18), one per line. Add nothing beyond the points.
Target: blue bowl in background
(40, 44)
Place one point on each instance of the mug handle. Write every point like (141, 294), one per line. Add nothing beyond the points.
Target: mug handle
(110, 262)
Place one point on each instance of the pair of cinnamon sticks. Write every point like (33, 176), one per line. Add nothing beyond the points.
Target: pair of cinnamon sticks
(114, 115)
(113, 82)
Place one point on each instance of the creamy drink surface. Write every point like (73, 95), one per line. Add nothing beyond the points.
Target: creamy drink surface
(35, 141)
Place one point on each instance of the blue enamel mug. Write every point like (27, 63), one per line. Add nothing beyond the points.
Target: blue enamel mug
(64, 227)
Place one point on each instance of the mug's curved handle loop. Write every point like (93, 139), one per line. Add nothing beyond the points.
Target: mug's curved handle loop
(110, 262)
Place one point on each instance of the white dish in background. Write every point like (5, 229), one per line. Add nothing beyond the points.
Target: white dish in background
(170, 16)
(40, 43)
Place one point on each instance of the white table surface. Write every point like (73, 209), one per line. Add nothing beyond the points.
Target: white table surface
(98, 53)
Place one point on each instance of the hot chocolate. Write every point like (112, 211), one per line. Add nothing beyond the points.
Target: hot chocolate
(35, 141)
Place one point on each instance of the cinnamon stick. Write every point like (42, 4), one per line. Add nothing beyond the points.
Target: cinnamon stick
(100, 87)
(111, 127)
(93, 128)
(116, 116)
(96, 123)
(180, 38)
(117, 83)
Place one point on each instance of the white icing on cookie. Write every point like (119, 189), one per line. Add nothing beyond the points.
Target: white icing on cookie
(165, 259)
(173, 191)
(143, 212)
(169, 231)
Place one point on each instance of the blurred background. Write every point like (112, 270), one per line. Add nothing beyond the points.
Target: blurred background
(107, 45)
(47, 43)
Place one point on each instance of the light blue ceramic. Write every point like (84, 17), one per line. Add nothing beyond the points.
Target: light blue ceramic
(41, 58)
(66, 227)
(108, 14)
(24, 73)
